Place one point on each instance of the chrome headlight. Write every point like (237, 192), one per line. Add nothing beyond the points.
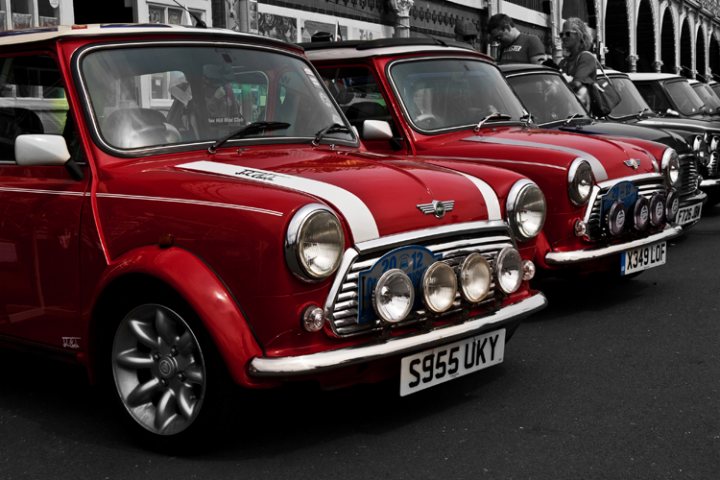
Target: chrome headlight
(475, 276)
(439, 287)
(580, 181)
(394, 296)
(509, 270)
(526, 209)
(314, 243)
(671, 167)
(700, 147)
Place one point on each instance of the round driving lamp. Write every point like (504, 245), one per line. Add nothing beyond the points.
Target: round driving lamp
(700, 148)
(714, 143)
(526, 209)
(580, 181)
(509, 270)
(657, 209)
(671, 167)
(475, 278)
(394, 296)
(672, 205)
(439, 287)
(641, 214)
(314, 243)
(616, 218)
(713, 159)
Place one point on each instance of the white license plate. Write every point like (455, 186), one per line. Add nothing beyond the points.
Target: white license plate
(688, 214)
(642, 258)
(438, 365)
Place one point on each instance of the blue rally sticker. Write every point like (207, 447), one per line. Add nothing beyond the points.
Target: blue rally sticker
(413, 260)
(626, 192)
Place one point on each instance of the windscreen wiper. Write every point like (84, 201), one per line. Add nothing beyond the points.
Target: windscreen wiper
(254, 127)
(492, 116)
(334, 128)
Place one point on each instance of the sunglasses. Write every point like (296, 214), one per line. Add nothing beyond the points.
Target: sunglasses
(566, 34)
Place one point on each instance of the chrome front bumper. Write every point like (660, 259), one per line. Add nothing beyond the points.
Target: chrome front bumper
(333, 359)
(710, 182)
(578, 256)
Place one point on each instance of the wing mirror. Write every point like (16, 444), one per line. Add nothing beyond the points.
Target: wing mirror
(671, 113)
(34, 150)
(376, 130)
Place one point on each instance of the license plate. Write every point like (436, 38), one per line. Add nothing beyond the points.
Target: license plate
(688, 214)
(642, 258)
(441, 364)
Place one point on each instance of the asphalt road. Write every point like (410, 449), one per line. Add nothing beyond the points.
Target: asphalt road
(613, 380)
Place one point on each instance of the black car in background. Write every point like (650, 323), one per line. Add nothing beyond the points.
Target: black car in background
(552, 104)
(653, 99)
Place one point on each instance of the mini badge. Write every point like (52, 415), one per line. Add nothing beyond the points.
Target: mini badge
(73, 343)
(437, 207)
(633, 163)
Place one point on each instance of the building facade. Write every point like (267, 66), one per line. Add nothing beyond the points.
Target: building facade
(678, 36)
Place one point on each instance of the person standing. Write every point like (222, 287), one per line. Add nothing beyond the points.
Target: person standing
(578, 62)
(515, 46)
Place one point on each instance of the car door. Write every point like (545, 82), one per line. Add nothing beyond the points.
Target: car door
(40, 209)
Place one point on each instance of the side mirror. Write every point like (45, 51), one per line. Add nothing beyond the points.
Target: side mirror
(376, 130)
(671, 113)
(41, 150)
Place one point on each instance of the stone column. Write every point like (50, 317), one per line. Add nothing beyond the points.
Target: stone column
(657, 66)
(402, 11)
(632, 60)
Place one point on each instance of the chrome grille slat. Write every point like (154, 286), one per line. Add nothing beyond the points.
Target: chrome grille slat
(343, 310)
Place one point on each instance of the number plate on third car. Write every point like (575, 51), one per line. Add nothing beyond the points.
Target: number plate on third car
(688, 214)
(642, 258)
(447, 362)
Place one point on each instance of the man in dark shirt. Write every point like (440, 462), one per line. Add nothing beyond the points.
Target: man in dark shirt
(515, 47)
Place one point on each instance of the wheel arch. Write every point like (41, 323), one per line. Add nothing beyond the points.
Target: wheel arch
(178, 275)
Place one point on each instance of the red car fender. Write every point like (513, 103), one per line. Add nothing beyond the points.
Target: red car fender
(204, 292)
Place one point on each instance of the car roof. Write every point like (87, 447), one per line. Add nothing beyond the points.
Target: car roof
(525, 67)
(45, 34)
(383, 46)
(653, 76)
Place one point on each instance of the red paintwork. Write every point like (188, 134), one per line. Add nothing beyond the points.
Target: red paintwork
(547, 168)
(59, 253)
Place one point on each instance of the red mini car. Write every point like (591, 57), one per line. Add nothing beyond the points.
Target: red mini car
(610, 202)
(183, 207)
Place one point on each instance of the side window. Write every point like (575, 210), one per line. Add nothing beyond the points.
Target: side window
(358, 94)
(32, 100)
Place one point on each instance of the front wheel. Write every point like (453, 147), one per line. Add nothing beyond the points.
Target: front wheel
(160, 368)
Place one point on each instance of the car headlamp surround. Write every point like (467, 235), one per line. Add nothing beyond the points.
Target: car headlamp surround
(580, 181)
(475, 278)
(394, 296)
(714, 143)
(314, 243)
(526, 209)
(671, 167)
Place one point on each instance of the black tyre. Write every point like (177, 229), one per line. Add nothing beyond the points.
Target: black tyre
(166, 377)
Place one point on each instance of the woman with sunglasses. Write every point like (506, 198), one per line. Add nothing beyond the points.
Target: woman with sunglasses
(578, 62)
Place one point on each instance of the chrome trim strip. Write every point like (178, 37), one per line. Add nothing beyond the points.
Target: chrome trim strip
(189, 202)
(631, 178)
(577, 256)
(416, 236)
(330, 360)
(597, 166)
(43, 192)
(710, 182)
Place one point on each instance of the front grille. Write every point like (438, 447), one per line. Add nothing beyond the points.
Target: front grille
(344, 308)
(646, 186)
(688, 175)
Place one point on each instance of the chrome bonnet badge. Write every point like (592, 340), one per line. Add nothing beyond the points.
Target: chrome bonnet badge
(437, 207)
(633, 163)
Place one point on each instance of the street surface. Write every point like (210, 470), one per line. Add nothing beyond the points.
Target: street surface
(613, 380)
